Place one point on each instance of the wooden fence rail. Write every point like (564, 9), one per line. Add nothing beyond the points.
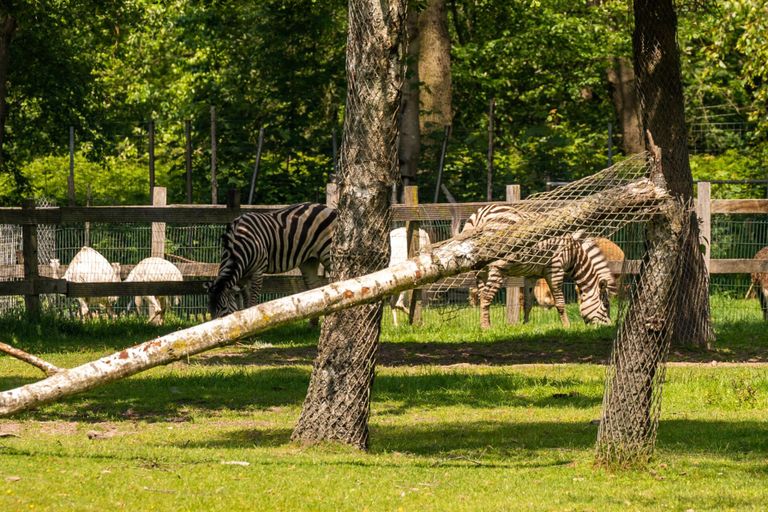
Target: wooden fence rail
(28, 279)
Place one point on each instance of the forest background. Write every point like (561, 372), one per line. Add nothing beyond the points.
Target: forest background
(558, 73)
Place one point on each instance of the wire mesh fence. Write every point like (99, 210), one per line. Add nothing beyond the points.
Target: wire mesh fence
(733, 236)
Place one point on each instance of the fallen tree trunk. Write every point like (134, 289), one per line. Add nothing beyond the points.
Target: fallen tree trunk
(466, 252)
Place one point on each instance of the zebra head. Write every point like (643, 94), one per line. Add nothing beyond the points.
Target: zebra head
(222, 300)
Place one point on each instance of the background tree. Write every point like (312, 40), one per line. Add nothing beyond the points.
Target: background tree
(337, 405)
(434, 70)
(410, 135)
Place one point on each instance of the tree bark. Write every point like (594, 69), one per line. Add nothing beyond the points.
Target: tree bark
(466, 252)
(435, 70)
(7, 31)
(632, 398)
(660, 90)
(337, 404)
(410, 140)
(621, 78)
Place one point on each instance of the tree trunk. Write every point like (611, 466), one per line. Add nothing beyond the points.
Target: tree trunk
(410, 140)
(621, 78)
(7, 31)
(632, 397)
(671, 278)
(657, 68)
(435, 70)
(338, 400)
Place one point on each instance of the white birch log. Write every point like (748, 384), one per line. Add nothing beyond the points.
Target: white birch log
(467, 251)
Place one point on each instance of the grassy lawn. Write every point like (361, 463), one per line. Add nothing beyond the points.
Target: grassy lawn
(461, 420)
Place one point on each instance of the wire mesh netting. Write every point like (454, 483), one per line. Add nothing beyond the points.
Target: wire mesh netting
(632, 400)
(554, 234)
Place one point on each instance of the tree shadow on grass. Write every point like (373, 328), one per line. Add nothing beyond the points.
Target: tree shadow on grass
(727, 439)
(181, 394)
(745, 340)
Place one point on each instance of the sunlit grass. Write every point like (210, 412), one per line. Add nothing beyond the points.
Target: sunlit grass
(213, 432)
(196, 437)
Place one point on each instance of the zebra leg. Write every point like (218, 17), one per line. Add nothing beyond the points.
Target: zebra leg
(251, 289)
(487, 292)
(528, 285)
(309, 271)
(555, 282)
(762, 295)
(154, 311)
(393, 308)
(83, 308)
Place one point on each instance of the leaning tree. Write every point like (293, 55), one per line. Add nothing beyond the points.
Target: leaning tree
(670, 300)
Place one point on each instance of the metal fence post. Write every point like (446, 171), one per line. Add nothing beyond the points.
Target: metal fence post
(71, 177)
(151, 157)
(214, 183)
(489, 178)
(513, 292)
(29, 246)
(188, 158)
(256, 165)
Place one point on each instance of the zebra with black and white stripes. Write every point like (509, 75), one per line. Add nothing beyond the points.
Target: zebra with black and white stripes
(571, 254)
(259, 243)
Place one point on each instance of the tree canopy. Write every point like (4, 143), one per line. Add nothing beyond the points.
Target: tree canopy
(108, 68)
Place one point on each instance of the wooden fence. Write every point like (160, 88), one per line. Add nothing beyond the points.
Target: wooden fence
(30, 280)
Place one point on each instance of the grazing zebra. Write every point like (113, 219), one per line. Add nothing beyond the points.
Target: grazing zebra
(571, 254)
(274, 242)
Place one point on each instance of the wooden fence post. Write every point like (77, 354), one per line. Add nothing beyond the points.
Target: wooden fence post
(29, 246)
(513, 292)
(411, 198)
(704, 213)
(159, 198)
(233, 198)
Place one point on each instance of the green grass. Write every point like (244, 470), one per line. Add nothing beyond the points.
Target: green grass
(213, 433)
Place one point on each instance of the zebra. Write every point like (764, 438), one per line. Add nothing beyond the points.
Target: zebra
(272, 242)
(572, 254)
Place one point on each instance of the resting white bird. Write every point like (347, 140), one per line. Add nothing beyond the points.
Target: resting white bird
(89, 266)
(154, 269)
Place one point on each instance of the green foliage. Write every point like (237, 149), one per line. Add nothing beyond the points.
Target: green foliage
(107, 68)
(733, 164)
(544, 64)
(113, 181)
